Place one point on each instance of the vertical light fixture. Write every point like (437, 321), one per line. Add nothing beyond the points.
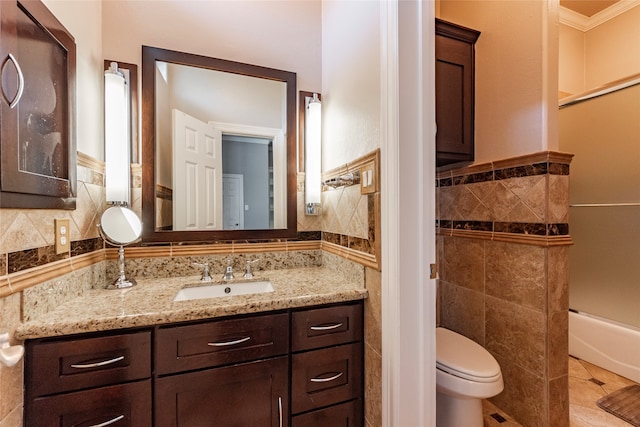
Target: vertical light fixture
(312, 154)
(116, 137)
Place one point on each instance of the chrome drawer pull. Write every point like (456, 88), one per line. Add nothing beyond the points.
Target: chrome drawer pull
(98, 364)
(326, 328)
(280, 411)
(226, 343)
(108, 423)
(326, 380)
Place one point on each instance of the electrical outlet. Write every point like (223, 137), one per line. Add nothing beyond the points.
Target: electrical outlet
(63, 236)
(368, 178)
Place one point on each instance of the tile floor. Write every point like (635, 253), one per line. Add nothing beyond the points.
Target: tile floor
(587, 384)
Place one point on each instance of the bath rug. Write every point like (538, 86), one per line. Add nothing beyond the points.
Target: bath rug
(624, 404)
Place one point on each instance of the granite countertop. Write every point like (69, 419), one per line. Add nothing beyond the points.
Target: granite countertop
(151, 302)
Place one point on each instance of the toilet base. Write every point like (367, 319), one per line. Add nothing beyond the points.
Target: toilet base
(456, 411)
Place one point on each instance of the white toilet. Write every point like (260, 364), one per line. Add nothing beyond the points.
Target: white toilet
(466, 373)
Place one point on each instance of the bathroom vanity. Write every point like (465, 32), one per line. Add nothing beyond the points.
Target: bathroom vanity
(281, 360)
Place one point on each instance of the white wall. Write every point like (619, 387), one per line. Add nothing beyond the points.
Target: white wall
(516, 74)
(612, 49)
(350, 80)
(571, 60)
(83, 20)
(593, 58)
(277, 34)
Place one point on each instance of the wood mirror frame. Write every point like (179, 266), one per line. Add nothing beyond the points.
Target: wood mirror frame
(149, 232)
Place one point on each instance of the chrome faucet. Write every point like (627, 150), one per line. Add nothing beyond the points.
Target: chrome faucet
(228, 274)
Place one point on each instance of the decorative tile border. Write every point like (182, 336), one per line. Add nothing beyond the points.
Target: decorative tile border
(453, 185)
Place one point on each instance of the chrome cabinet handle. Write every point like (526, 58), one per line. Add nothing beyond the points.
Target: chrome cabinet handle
(98, 364)
(326, 380)
(226, 343)
(326, 328)
(16, 99)
(280, 411)
(108, 423)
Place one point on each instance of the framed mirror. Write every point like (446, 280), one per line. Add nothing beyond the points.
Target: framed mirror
(218, 149)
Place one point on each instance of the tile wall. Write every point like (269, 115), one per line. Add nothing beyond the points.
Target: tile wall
(503, 252)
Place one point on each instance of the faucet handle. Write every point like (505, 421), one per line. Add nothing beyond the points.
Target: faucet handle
(206, 274)
(228, 274)
(248, 274)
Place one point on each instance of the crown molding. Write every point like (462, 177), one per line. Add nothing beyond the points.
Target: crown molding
(584, 24)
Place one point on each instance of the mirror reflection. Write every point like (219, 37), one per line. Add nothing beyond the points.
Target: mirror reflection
(223, 148)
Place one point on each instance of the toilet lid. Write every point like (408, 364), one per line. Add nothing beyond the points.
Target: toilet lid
(464, 358)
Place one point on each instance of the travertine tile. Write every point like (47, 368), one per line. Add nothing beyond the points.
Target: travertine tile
(558, 278)
(465, 203)
(516, 273)
(373, 310)
(463, 262)
(583, 394)
(488, 409)
(524, 394)
(462, 311)
(558, 344)
(11, 378)
(372, 387)
(558, 199)
(13, 419)
(559, 401)
(21, 234)
(501, 201)
(612, 381)
(516, 333)
(577, 370)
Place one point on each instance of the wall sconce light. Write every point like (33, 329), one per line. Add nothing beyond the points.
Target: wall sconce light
(116, 136)
(313, 154)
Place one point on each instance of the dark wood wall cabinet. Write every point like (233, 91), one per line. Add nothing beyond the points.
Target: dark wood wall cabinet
(455, 62)
(292, 368)
(37, 108)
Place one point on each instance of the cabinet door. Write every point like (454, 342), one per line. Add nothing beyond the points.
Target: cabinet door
(37, 103)
(127, 405)
(347, 414)
(246, 395)
(454, 93)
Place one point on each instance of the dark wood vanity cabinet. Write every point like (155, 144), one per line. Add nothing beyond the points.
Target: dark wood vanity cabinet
(241, 378)
(455, 74)
(300, 367)
(37, 108)
(327, 366)
(89, 381)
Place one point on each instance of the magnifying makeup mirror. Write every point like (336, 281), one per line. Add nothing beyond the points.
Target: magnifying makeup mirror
(120, 226)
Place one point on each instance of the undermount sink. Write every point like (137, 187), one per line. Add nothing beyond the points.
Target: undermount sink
(223, 290)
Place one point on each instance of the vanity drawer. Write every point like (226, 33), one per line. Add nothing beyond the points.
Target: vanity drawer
(126, 405)
(221, 342)
(74, 364)
(348, 414)
(324, 377)
(324, 327)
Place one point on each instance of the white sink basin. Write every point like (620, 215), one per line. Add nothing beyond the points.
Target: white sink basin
(223, 290)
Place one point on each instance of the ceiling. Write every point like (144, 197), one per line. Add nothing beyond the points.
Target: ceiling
(587, 8)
